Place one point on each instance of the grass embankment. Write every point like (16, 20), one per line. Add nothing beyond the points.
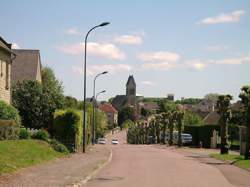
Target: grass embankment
(237, 159)
(15, 154)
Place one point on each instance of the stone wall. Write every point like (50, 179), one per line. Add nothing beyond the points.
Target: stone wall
(5, 70)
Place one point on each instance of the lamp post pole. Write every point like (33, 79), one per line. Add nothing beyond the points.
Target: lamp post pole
(93, 108)
(84, 97)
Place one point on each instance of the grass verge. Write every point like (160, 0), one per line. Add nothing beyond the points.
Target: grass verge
(237, 159)
(16, 154)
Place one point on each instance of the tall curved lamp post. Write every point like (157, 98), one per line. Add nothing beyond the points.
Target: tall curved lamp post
(93, 109)
(84, 99)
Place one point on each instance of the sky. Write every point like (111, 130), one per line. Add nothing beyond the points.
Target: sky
(188, 48)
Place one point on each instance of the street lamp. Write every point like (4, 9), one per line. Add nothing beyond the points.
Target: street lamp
(84, 99)
(93, 105)
(103, 91)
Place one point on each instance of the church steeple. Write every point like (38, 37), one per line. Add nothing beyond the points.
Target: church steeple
(131, 86)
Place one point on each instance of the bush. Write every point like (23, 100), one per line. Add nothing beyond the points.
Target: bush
(57, 146)
(8, 112)
(9, 130)
(201, 133)
(67, 128)
(41, 135)
(24, 134)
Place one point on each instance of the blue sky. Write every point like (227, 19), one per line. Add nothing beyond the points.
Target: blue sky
(189, 48)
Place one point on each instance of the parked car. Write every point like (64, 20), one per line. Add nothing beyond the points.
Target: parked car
(186, 138)
(101, 141)
(115, 141)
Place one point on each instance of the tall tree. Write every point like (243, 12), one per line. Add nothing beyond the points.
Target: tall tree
(125, 114)
(223, 106)
(179, 122)
(165, 121)
(245, 99)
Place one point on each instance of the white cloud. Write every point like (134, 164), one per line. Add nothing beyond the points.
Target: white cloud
(160, 56)
(147, 83)
(111, 68)
(217, 48)
(224, 18)
(161, 66)
(232, 61)
(107, 50)
(15, 46)
(73, 31)
(196, 64)
(129, 39)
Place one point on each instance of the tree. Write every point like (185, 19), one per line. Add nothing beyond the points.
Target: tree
(179, 121)
(145, 112)
(223, 106)
(52, 87)
(165, 119)
(125, 114)
(70, 102)
(245, 99)
(213, 97)
(33, 107)
(191, 118)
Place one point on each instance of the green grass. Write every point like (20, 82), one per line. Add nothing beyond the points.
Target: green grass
(238, 159)
(16, 154)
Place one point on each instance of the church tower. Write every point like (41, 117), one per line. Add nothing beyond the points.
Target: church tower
(131, 91)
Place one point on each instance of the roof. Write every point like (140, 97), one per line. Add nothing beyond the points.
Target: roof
(119, 101)
(131, 80)
(236, 106)
(108, 108)
(149, 105)
(26, 64)
(212, 118)
(6, 46)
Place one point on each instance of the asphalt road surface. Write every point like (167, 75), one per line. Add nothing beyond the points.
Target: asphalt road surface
(149, 166)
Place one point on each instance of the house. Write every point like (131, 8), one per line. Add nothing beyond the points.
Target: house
(212, 118)
(111, 113)
(6, 58)
(150, 106)
(129, 99)
(26, 66)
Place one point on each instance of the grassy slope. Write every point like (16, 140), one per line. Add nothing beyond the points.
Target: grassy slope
(239, 160)
(15, 154)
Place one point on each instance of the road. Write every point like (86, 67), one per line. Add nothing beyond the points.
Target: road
(149, 166)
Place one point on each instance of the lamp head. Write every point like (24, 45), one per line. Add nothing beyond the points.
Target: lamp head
(104, 72)
(104, 24)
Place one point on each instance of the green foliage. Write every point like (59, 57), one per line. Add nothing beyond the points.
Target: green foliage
(101, 124)
(166, 105)
(32, 104)
(8, 112)
(145, 112)
(191, 118)
(67, 128)
(128, 123)
(57, 146)
(213, 97)
(9, 130)
(191, 101)
(23, 153)
(137, 133)
(201, 134)
(41, 135)
(70, 102)
(24, 134)
(125, 114)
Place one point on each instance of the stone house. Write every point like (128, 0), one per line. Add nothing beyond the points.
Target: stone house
(26, 66)
(6, 58)
(111, 112)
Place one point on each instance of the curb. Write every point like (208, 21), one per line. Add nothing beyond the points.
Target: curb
(93, 173)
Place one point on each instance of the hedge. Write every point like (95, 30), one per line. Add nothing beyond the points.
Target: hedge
(201, 134)
(9, 130)
(8, 112)
(67, 128)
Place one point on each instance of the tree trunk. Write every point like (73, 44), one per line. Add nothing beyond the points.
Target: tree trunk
(164, 133)
(247, 151)
(179, 134)
(224, 145)
(171, 129)
(158, 133)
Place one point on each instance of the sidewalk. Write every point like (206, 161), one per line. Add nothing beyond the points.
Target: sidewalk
(62, 172)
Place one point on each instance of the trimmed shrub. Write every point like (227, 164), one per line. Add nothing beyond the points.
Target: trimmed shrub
(8, 112)
(201, 134)
(67, 128)
(9, 130)
(41, 135)
(57, 146)
(24, 134)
